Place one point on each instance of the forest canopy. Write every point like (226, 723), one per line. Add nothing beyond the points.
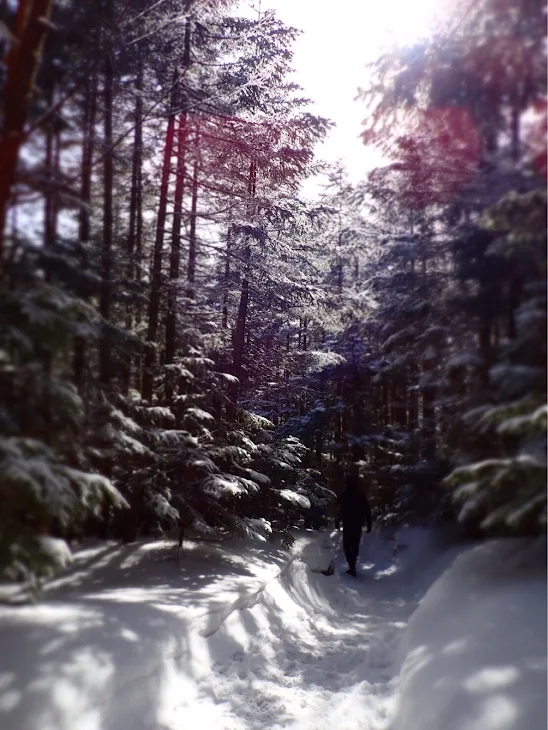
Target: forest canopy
(187, 339)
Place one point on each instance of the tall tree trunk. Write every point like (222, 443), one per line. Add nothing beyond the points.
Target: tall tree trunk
(357, 427)
(135, 208)
(412, 397)
(227, 278)
(398, 401)
(238, 346)
(138, 270)
(32, 22)
(53, 168)
(239, 334)
(84, 214)
(54, 205)
(49, 227)
(175, 253)
(156, 274)
(191, 268)
(88, 148)
(106, 249)
(428, 446)
(147, 385)
(340, 264)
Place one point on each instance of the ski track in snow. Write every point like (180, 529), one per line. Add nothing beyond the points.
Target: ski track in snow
(259, 646)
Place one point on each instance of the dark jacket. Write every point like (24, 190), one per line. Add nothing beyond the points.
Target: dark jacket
(354, 507)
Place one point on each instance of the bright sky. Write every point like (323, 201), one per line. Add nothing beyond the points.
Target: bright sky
(339, 39)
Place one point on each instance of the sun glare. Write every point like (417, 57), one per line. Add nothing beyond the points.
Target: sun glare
(332, 54)
(402, 21)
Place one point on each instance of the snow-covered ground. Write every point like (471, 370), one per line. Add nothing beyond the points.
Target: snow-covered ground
(475, 650)
(241, 637)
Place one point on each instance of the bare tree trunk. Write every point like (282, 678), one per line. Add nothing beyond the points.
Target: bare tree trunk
(156, 274)
(139, 221)
(239, 334)
(398, 401)
(22, 61)
(106, 248)
(319, 448)
(49, 232)
(88, 148)
(191, 268)
(239, 343)
(84, 215)
(147, 385)
(428, 446)
(175, 254)
(53, 169)
(412, 398)
(226, 278)
(135, 207)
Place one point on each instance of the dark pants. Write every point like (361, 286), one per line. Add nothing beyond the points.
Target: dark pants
(352, 534)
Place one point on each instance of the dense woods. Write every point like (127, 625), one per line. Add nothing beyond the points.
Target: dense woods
(187, 340)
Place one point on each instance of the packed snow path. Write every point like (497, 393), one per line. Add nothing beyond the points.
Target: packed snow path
(238, 637)
(317, 652)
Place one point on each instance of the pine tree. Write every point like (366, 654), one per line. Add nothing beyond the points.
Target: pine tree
(502, 439)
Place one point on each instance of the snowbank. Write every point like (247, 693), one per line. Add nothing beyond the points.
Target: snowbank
(475, 649)
(249, 636)
(122, 637)
(238, 637)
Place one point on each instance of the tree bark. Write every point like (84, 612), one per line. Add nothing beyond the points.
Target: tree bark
(191, 268)
(135, 208)
(84, 215)
(175, 253)
(156, 274)
(428, 445)
(106, 249)
(239, 334)
(49, 226)
(398, 401)
(88, 148)
(226, 278)
(239, 343)
(32, 23)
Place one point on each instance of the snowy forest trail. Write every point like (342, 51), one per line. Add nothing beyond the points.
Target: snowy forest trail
(319, 651)
(238, 638)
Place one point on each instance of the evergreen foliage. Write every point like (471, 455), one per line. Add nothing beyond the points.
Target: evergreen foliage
(503, 440)
(186, 340)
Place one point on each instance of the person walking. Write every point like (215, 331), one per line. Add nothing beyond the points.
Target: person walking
(355, 512)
